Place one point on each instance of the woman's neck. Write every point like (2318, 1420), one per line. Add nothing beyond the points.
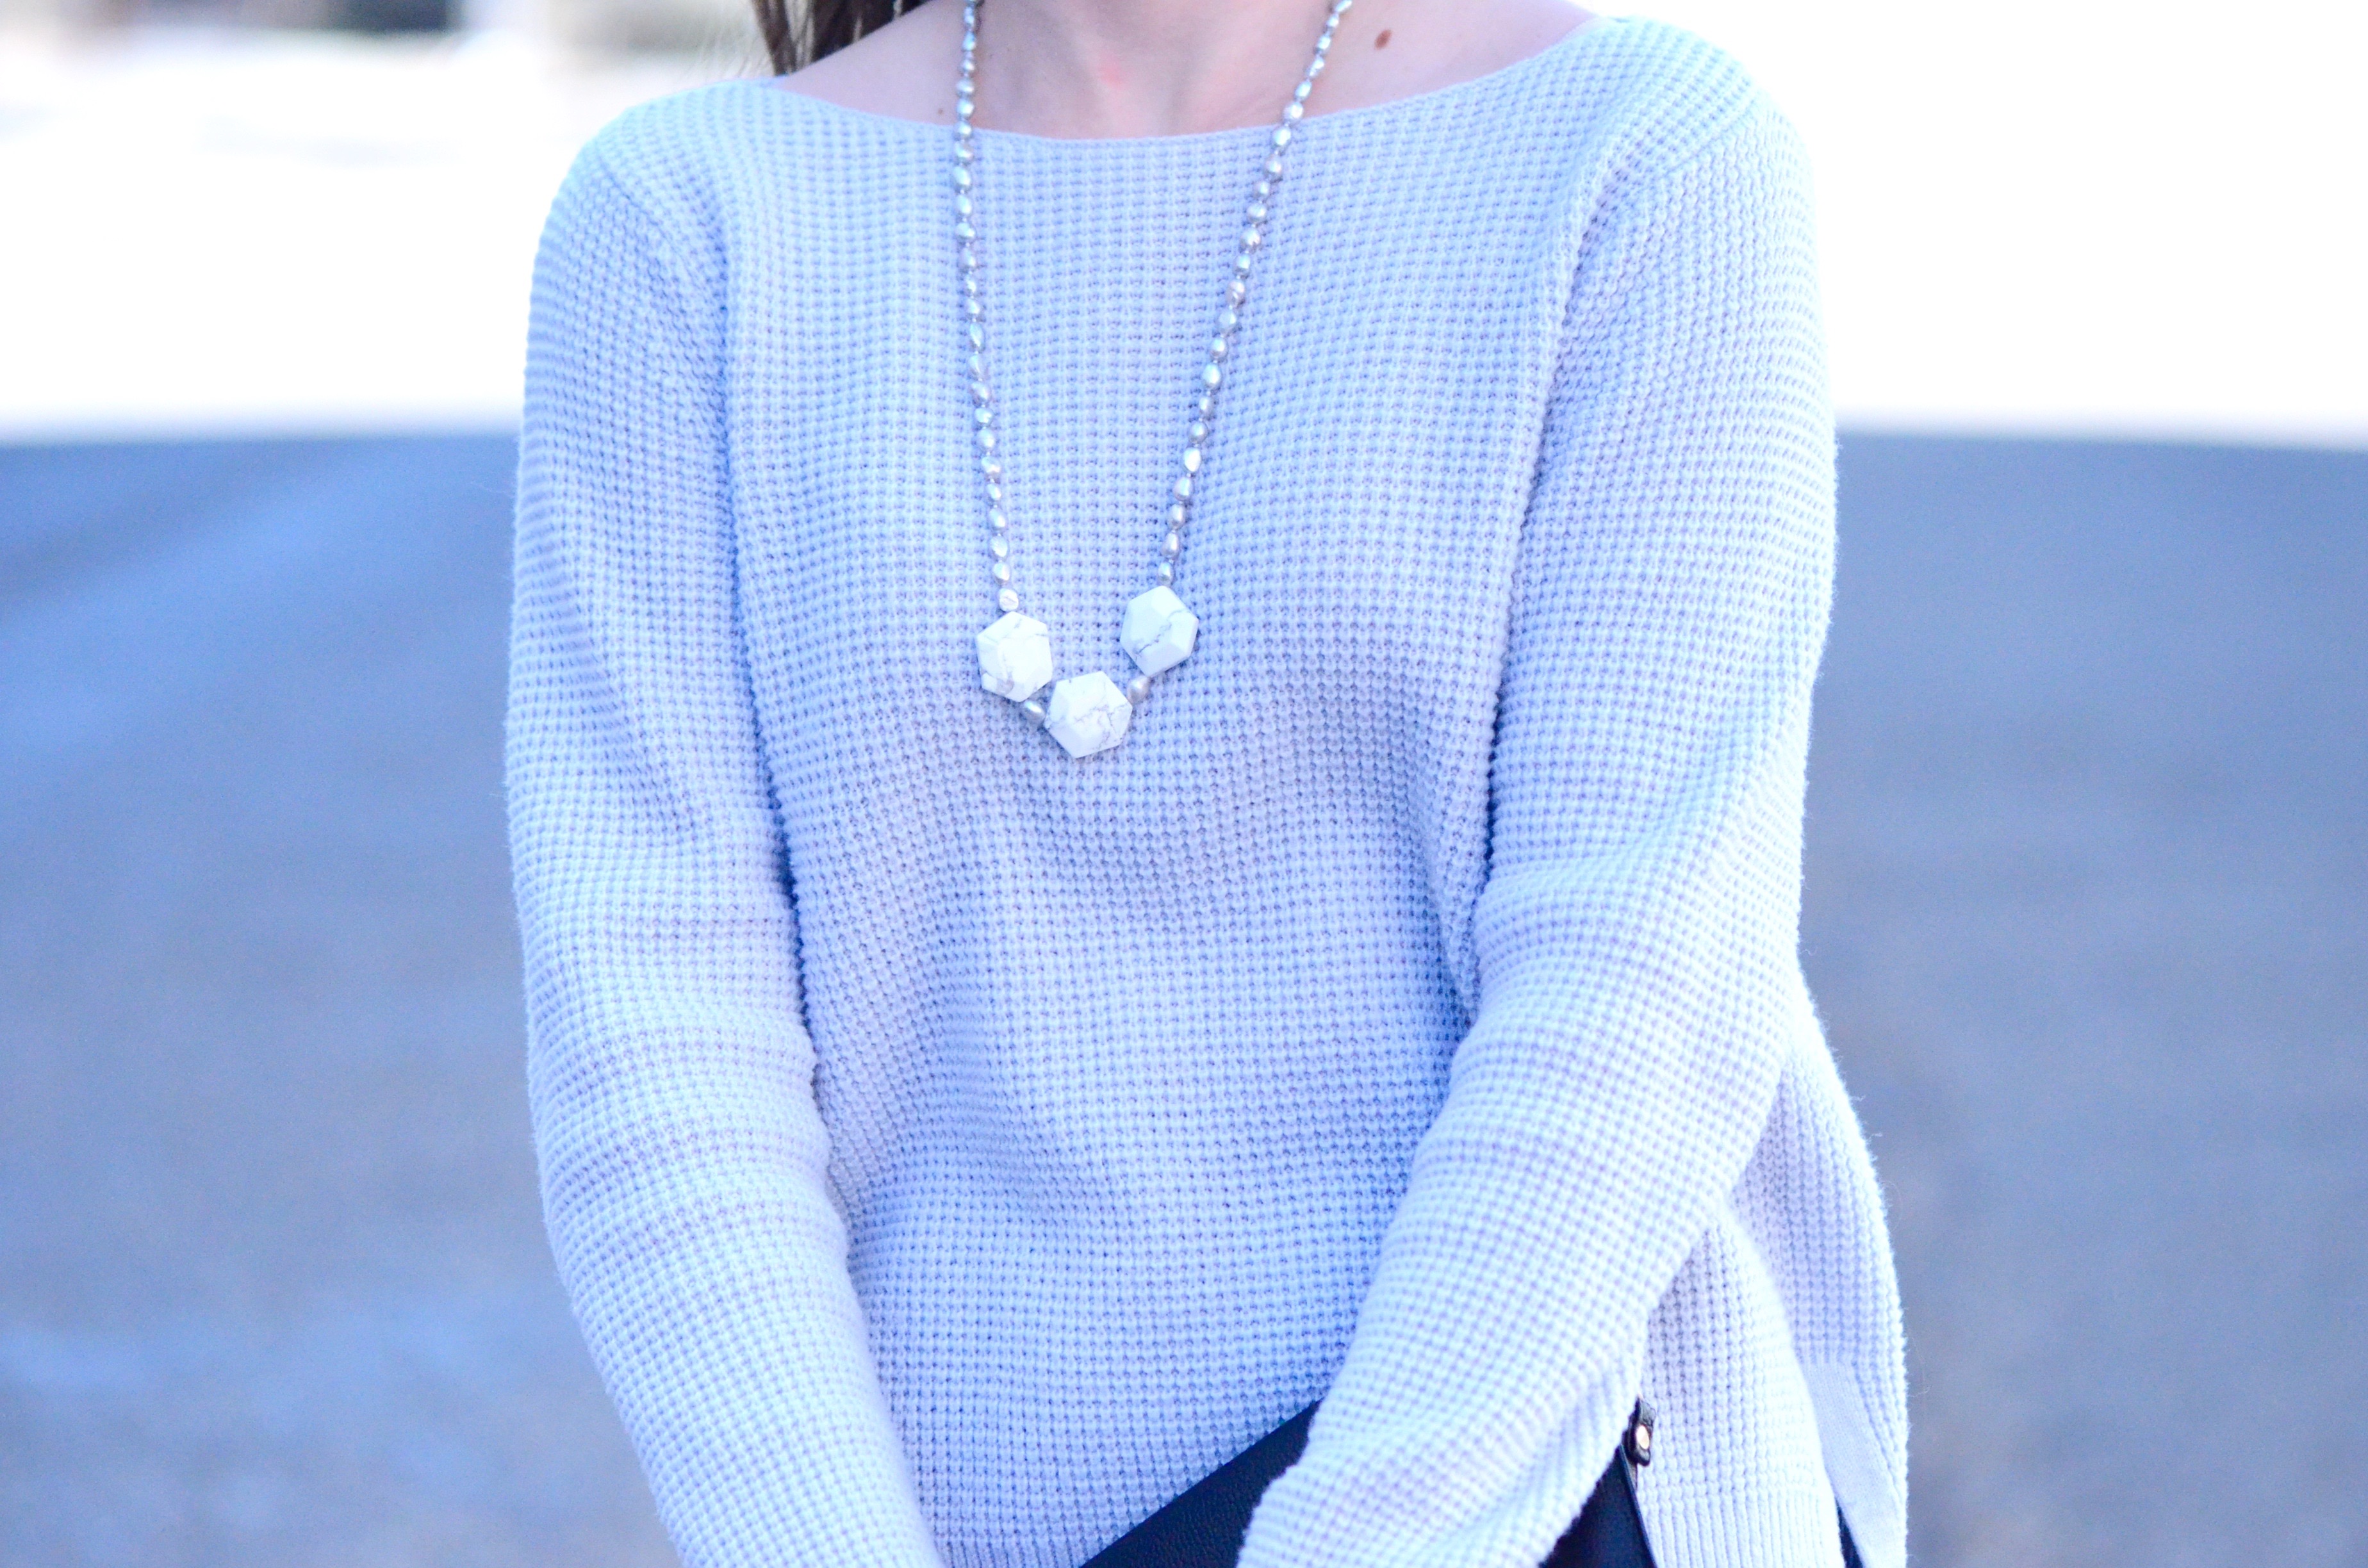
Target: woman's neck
(1120, 68)
(1141, 67)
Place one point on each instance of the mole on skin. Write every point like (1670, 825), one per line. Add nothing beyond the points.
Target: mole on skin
(1382, 38)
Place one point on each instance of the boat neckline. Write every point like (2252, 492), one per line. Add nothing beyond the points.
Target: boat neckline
(1499, 77)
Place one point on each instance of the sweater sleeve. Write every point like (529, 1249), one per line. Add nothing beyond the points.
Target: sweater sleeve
(1636, 933)
(683, 1159)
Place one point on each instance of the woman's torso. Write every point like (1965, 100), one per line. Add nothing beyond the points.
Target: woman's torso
(1124, 1060)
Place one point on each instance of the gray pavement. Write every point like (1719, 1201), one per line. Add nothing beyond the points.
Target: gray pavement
(2087, 850)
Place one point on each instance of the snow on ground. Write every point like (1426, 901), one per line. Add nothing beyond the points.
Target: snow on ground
(2095, 219)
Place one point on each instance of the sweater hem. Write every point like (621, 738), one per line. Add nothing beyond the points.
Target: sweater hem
(1795, 1527)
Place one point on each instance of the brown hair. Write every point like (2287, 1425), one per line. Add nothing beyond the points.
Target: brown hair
(799, 32)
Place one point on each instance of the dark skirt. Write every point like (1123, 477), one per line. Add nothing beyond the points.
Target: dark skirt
(1203, 1527)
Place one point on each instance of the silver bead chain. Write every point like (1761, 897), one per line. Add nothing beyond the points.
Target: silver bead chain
(1221, 342)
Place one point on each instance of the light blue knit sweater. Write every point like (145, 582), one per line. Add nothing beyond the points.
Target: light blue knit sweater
(953, 1150)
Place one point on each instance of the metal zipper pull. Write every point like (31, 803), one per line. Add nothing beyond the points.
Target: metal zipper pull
(1637, 1442)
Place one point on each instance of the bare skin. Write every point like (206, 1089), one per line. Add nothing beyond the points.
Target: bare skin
(1122, 68)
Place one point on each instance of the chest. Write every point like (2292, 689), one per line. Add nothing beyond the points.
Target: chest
(1355, 526)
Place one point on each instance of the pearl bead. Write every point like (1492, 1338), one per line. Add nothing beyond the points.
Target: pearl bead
(1000, 571)
(1138, 690)
(1164, 572)
(1007, 600)
(1000, 548)
(1293, 110)
(997, 520)
(1219, 347)
(1172, 546)
(1191, 459)
(1236, 290)
(1184, 487)
(1035, 709)
(1198, 433)
(1176, 515)
(1211, 375)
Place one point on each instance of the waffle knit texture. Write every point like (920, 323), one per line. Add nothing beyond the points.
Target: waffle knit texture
(953, 1150)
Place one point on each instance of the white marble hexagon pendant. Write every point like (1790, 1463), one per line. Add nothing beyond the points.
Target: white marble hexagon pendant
(1015, 656)
(1156, 630)
(1087, 713)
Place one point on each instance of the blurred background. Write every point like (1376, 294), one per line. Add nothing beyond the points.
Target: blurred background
(2088, 881)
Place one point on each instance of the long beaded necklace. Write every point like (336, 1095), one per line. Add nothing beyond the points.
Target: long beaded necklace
(1090, 712)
